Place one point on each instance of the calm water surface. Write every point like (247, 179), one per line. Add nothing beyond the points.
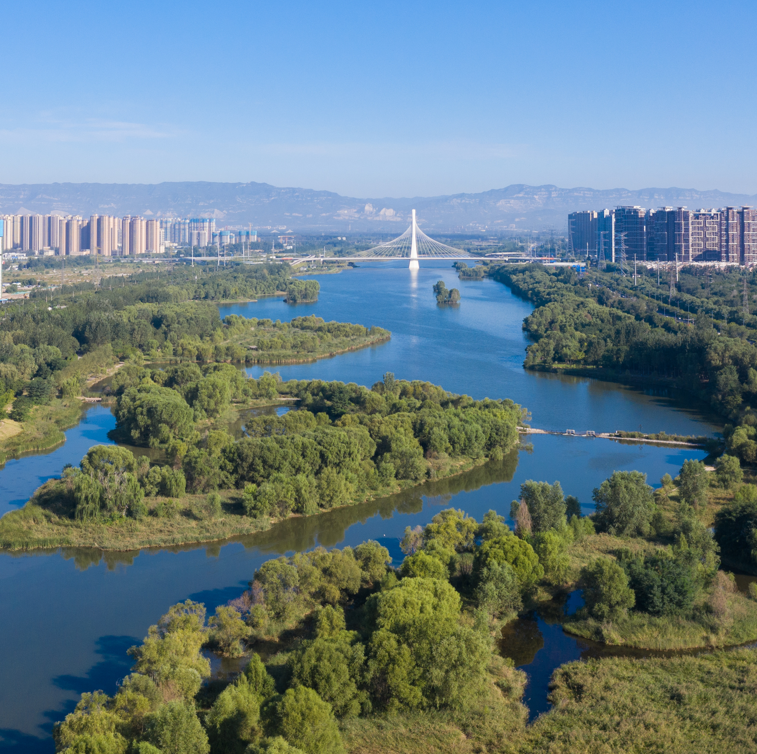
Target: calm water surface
(68, 617)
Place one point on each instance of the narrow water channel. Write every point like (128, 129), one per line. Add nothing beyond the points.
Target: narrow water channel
(69, 616)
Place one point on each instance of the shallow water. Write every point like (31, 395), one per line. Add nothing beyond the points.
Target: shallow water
(68, 617)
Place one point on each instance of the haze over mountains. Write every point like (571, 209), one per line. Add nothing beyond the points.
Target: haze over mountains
(518, 207)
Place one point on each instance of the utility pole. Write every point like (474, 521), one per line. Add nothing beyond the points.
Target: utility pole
(745, 300)
(634, 270)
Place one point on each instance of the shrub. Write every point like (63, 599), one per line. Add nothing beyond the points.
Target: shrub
(693, 482)
(728, 472)
(662, 585)
(625, 504)
(736, 528)
(307, 722)
(606, 592)
(498, 590)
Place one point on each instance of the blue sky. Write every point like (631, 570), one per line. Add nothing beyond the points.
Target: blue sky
(383, 98)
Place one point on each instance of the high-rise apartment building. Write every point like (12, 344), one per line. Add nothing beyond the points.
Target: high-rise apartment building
(582, 232)
(673, 234)
(153, 237)
(631, 232)
(107, 235)
(137, 235)
(748, 236)
(73, 235)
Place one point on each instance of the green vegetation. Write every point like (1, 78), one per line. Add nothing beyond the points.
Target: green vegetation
(603, 326)
(445, 297)
(337, 643)
(302, 291)
(49, 355)
(344, 444)
(677, 705)
(345, 654)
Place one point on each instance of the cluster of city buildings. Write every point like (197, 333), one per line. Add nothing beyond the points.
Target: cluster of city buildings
(111, 236)
(667, 234)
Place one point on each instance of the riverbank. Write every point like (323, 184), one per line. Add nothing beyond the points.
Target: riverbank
(42, 432)
(46, 521)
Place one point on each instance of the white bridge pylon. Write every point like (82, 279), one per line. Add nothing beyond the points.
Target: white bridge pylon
(414, 245)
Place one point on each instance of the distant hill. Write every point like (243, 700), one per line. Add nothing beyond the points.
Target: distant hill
(518, 206)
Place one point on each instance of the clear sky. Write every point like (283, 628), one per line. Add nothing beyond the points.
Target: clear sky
(383, 98)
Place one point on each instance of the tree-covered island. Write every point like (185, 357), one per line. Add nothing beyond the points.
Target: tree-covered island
(343, 444)
(445, 296)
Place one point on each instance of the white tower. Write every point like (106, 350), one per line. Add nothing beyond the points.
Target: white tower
(414, 249)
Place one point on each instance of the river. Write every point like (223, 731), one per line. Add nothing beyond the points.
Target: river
(68, 617)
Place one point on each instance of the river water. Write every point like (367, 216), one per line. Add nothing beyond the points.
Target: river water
(69, 616)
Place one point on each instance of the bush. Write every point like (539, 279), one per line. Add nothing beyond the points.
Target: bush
(22, 408)
(693, 483)
(174, 727)
(228, 631)
(606, 592)
(625, 504)
(498, 590)
(662, 584)
(213, 505)
(305, 721)
(728, 472)
(736, 529)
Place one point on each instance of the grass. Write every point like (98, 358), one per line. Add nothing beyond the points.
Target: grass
(47, 521)
(689, 705)
(493, 719)
(644, 631)
(44, 430)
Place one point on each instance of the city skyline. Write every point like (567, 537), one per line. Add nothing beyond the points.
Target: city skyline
(398, 99)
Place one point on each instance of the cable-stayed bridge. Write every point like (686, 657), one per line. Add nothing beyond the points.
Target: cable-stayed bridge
(412, 245)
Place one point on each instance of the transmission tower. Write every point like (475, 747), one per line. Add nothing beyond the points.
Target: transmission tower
(601, 256)
(623, 248)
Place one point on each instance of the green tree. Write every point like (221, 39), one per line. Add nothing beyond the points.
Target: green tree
(551, 548)
(606, 592)
(736, 529)
(516, 553)
(154, 415)
(625, 504)
(492, 526)
(91, 722)
(693, 482)
(498, 590)
(546, 504)
(333, 667)
(663, 585)
(308, 723)
(728, 472)
(422, 565)
(229, 631)
(233, 721)
(373, 560)
(170, 654)
(175, 729)
(451, 528)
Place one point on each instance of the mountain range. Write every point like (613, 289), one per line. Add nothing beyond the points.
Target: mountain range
(515, 207)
